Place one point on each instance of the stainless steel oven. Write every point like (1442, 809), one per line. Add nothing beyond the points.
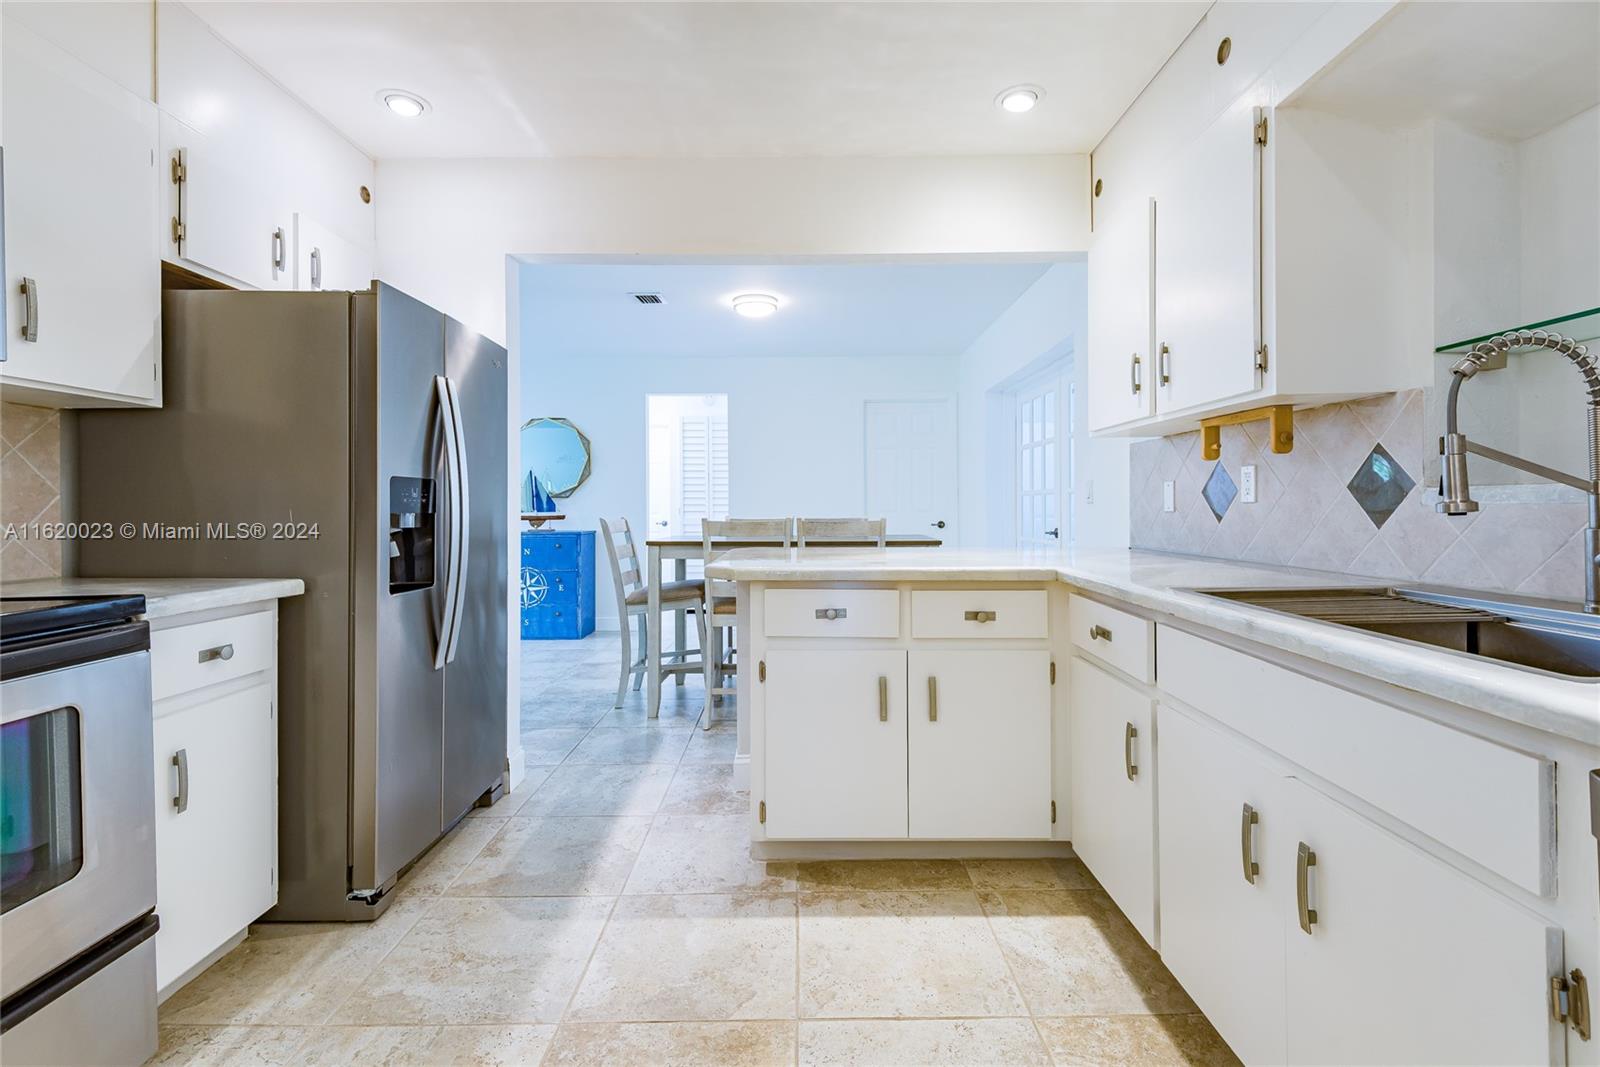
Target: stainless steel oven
(77, 833)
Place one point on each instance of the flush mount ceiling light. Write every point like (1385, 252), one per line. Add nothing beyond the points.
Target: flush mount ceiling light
(755, 305)
(1019, 98)
(406, 105)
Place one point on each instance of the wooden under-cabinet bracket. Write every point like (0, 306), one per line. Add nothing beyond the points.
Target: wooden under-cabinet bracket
(1281, 416)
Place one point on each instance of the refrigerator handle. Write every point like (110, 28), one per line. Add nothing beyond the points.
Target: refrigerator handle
(461, 542)
(444, 420)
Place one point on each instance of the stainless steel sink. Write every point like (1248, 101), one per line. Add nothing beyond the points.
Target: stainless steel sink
(1531, 635)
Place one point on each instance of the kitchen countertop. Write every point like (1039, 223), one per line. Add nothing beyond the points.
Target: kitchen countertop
(165, 597)
(1164, 585)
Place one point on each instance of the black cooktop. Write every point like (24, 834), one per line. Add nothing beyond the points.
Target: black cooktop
(22, 616)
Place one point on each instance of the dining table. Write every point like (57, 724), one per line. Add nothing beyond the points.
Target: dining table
(681, 548)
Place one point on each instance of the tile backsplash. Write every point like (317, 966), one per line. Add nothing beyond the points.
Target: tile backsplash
(1351, 498)
(30, 489)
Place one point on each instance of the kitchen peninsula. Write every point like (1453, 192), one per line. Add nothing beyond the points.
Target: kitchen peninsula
(1291, 812)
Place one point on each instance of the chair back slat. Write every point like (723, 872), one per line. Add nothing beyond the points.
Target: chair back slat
(777, 532)
(821, 531)
(625, 572)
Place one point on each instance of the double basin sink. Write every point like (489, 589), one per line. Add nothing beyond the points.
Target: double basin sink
(1531, 635)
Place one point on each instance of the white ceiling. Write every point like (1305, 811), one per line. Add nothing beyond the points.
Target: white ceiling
(644, 80)
(858, 309)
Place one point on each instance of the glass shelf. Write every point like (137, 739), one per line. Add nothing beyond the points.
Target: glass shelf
(1580, 326)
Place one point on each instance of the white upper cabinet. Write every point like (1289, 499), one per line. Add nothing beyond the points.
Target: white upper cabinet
(222, 220)
(1208, 232)
(83, 322)
(1285, 266)
(256, 166)
(1121, 366)
(325, 260)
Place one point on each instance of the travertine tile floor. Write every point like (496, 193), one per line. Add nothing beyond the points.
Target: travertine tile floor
(608, 912)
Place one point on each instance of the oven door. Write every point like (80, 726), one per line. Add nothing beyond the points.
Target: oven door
(77, 819)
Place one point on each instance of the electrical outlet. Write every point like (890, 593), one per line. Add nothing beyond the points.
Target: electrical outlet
(1169, 496)
(1247, 484)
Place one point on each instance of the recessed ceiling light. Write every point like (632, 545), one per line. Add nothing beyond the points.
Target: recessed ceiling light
(1019, 98)
(755, 305)
(406, 105)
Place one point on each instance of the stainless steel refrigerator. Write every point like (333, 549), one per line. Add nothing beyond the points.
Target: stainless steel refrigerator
(357, 441)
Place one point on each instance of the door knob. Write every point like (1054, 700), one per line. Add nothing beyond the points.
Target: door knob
(938, 525)
(1056, 533)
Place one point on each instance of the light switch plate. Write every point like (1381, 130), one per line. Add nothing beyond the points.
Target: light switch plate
(1247, 484)
(1169, 496)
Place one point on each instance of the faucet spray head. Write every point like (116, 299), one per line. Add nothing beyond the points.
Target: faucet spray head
(1455, 491)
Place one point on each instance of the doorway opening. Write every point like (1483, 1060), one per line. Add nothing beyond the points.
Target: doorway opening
(687, 458)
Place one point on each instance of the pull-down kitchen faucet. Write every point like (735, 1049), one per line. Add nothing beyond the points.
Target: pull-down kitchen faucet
(1455, 491)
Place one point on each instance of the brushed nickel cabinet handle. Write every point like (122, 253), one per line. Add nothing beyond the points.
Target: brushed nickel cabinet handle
(1306, 860)
(280, 257)
(981, 616)
(1099, 633)
(223, 652)
(316, 268)
(1134, 377)
(1164, 364)
(30, 309)
(883, 698)
(933, 699)
(1247, 851)
(180, 799)
(832, 613)
(1128, 735)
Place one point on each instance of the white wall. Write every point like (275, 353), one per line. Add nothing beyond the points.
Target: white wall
(1047, 324)
(796, 426)
(445, 226)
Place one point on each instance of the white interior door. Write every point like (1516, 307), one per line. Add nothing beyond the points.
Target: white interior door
(1042, 471)
(702, 475)
(911, 464)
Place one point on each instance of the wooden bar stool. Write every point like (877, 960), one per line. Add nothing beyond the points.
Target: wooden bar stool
(721, 610)
(819, 532)
(629, 582)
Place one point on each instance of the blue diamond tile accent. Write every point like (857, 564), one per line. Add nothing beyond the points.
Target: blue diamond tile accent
(1219, 491)
(1380, 485)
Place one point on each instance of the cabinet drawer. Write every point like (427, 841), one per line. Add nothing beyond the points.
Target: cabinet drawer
(558, 552)
(189, 657)
(1115, 637)
(854, 613)
(1492, 804)
(1005, 613)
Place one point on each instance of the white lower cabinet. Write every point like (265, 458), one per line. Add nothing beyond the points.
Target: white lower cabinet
(1406, 961)
(1223, 868)
(1309, 935)
(979, 755)
(835, 744)
(216, 792)
(1113, 789)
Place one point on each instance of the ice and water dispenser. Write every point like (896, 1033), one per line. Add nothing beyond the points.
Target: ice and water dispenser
(411, 529)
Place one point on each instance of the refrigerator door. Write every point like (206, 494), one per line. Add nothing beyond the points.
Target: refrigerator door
(475, 680)
(398, 570)
(254, 427)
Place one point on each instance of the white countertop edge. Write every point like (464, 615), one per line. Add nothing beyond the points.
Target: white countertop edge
(1560, 706)
(165, 597)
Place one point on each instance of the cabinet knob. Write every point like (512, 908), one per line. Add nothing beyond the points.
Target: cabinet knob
(1098, 633)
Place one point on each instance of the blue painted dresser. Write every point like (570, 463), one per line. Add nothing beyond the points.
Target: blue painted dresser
(557, 584)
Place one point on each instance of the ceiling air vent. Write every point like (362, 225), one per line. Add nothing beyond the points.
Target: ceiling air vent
(648, 298)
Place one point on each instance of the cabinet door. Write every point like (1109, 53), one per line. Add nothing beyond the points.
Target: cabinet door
(1223, 825)
(1207, 253)
(1113, 790)
(80, 192)
(835, 746)
(325, 260)
(216, 860)
(979, 741)
(1121, 371)
(231, 225)
(1407, 961)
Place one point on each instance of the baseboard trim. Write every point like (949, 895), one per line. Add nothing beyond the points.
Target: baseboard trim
(909, 850)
